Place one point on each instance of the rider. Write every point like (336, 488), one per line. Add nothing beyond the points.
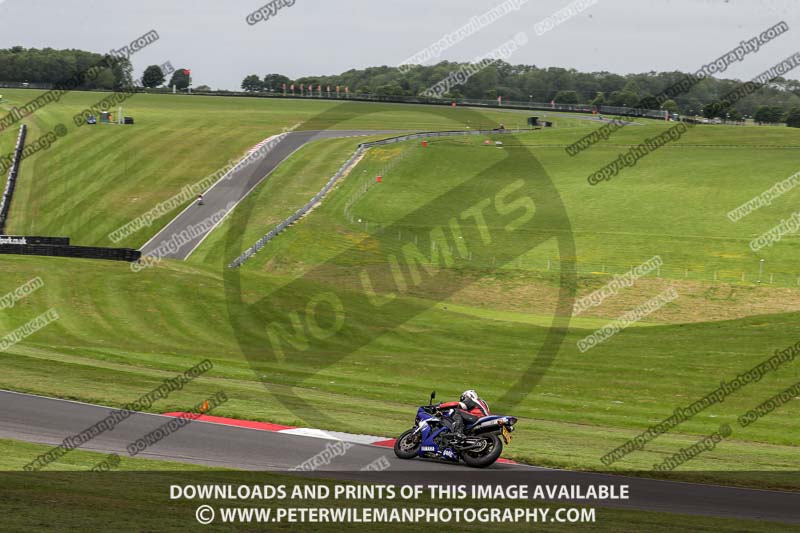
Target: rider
(466, 411)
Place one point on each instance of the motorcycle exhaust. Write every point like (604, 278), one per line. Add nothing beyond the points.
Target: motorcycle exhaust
(468, 445)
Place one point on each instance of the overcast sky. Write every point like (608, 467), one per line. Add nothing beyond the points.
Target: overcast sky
(328, 37)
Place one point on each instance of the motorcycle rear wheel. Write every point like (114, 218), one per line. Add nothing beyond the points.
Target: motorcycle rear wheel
(405, 447)
(487, 456)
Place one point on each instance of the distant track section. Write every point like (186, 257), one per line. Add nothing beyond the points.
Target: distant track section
(363, 147)
(179, 238)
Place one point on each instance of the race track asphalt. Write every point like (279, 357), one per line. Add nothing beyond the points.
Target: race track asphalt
(223, 196)
(48, 421)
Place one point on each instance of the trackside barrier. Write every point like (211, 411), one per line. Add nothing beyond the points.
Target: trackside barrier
(5, 202)
(363, 147)
(86, 252)
(658, 114)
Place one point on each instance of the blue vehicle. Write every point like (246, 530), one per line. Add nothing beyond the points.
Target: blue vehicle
(432, 437)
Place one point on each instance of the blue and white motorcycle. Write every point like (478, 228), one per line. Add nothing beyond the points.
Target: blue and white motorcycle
(432, 437)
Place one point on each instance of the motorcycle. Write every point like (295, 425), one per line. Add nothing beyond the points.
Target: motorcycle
(432, 437)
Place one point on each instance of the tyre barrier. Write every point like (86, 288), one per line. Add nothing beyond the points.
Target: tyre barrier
(5, 202)
(62, 250)
(363, 147)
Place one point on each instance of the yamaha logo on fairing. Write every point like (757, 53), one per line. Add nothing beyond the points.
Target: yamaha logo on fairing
(428, 448)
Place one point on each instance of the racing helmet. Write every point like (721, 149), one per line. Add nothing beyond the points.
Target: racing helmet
(469, 395)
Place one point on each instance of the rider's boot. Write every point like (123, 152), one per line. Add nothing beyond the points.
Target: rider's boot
(458, 431)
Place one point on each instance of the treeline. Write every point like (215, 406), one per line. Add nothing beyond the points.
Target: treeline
(47, 65)
(529, 83)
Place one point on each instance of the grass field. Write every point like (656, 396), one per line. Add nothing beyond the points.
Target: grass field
(13, 454)
(476, 325)
(665, 206)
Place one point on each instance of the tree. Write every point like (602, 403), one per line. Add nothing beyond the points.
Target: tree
(104, 80)
(793, 118)
(566, 97)
(153, 77)
(768, 114)
(762, 115)
(670, 106)
(202, 88)
(123, 74)
(624, 99)
(631, 87)
(647, 101)
(715, 110)
(180, 79)
(252, 83)
(693, 106)
(390, 89)
(274, 82)
(75, 69)
(598, 100)
(308, 81)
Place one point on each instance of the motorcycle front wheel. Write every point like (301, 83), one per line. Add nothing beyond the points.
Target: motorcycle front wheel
(486, 455)
(407, 445)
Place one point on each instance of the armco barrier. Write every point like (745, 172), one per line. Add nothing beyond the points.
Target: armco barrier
(250, 252)
(87, 252)
(27, 239)
(5, 202)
